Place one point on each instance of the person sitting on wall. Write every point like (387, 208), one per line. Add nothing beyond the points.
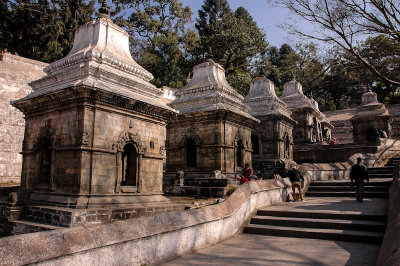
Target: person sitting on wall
(248, 173)
(296, 178)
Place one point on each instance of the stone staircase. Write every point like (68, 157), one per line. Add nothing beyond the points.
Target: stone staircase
(331, 212)
(378, 187)
(319, 225)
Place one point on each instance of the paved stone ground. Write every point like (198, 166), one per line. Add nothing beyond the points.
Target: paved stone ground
(248, 249)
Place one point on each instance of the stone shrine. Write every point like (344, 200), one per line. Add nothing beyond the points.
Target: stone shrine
(272, 139)
(213, 129)
(312, 125)
(371, 118)
(95, 126)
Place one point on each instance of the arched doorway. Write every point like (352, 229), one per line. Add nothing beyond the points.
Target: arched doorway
(255, 144)
(129, 165)
(45, 162)
(191, 159)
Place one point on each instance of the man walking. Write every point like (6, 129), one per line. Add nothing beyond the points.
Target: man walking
(358, 173)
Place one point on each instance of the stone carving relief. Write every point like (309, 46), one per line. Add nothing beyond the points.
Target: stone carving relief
(84, 139)
(130, 137)
(162, 150)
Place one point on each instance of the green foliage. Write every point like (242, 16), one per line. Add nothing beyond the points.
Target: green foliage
(42, 29)
(160, 41)
(233, 40)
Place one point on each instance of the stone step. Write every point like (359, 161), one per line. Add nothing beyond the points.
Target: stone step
(361, 225)
(316, 233)
(380, 175)
(347, 188)
(367, 194)
(342, 215)
(347, 183)
(380, 171)
(384, 168)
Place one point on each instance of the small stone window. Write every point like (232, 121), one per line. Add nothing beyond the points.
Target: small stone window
(191, 153)
(239, 157)
(45, 162)
(255, 144)
(287, 146)
(129, 165)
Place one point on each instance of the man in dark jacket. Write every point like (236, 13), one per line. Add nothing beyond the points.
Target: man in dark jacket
(296, 178)
(358, 173)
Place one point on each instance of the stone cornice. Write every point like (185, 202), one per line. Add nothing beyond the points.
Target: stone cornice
(80, 95)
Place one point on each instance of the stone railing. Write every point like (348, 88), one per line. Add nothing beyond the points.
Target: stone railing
(390, 250)
(144, 240)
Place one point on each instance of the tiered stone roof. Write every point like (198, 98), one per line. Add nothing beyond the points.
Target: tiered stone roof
(263, 101)
(294, 98)
(370, 106)
(100, 59)
(208, 90)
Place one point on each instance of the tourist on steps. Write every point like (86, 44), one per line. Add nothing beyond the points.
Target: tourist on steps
(296, 178)
(358, 173)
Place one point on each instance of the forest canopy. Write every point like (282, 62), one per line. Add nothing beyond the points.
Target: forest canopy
(169, 39)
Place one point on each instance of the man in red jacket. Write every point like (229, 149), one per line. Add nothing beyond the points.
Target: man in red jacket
(358, 173)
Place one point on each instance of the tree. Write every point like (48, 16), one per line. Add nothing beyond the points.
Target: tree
(346, 22)
(233, 40)
(42, 29)
(160, 41)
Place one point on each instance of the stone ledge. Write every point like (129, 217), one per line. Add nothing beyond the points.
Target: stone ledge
(16, 59)
(149, 239)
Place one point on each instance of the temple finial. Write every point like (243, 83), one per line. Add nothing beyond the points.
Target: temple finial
(104, 9)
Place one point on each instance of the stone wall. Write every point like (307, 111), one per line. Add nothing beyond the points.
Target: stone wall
(394, 110)
(87, 138)
(390, 249)
(215, 138)
(15, 74)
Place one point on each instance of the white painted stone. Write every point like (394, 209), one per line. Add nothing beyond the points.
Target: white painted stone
(208, 90)
(100, 59)
(262, 99)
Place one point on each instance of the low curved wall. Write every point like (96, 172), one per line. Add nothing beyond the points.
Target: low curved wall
(390, 249)
(144, 240)
(154, 239)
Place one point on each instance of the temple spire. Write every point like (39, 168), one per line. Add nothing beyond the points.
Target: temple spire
(104, 10)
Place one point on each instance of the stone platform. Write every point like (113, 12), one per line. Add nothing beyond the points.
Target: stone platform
(249, 249)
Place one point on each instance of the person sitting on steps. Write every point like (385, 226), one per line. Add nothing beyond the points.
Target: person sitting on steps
(296, 178)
